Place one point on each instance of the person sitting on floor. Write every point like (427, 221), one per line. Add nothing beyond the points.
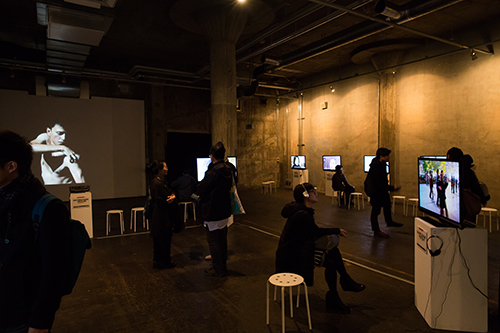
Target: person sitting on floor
(295, 253)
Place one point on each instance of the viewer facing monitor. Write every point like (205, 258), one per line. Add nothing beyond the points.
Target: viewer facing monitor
(439, 191)
(330, 162)
(367, 160)
(298, 162)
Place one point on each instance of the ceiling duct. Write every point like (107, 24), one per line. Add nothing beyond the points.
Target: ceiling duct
(387, 9)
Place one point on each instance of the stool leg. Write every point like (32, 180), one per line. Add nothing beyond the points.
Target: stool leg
(283, 309)
(185, 213)
(131, 218)
(307, 305)
(143, 219)
(298, 295)
(267, 302)
(121, 222)
(135, 221)
(194, 212)
(291, 302)
(107, 224)
(490, 221)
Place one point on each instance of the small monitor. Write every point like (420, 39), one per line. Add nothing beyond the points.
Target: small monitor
(367, 160)
(439, 190)
(330, 162)
(233, 160)
(202, 164)
(298, 162)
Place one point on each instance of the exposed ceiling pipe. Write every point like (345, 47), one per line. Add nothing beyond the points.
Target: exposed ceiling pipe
(361, 30)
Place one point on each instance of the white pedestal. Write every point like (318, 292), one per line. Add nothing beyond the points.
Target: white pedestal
(81, 209)
(300, 176)
(328, 183)
(444, 294)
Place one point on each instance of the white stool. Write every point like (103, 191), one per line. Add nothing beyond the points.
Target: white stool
(356, 195)
(338, 195)
(287, 280)
(133, 218)
(414, 203)
(489, 210)
(114, 211)
(272, 183)
(186, 203)
(400, 197)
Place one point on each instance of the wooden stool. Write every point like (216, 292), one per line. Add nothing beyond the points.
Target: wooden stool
(414, 203)
(489, 210)
(284, 280)
(133, 218)
(400, 197)
(356, 195)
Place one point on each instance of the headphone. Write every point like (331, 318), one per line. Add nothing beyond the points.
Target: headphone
(436, 252)
(305, 193)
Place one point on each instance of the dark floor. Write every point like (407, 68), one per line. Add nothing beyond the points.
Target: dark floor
(119, 291)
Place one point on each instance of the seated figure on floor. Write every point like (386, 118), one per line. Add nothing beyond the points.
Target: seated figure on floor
(295, 253)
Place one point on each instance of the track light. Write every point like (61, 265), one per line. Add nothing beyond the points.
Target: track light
(383, 7)
(473, 55)
(332, 89)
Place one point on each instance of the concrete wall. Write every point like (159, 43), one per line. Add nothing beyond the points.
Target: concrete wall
(426, 108)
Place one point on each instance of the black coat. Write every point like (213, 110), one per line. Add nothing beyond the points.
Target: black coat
(215, 202)
(164, 215)
(378, 174)
(295, 253)
(32, 274)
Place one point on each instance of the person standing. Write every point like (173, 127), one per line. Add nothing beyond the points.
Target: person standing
(34, 265)
(295, 253)
(340, 183)
(215, 204)
(381, 199)
(163, 215)
(184, 185)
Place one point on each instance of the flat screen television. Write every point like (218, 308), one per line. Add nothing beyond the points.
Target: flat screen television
(330, 162)
(439, 193)
(233, 160)
(367, 160)
(202, 164)
(298, 162)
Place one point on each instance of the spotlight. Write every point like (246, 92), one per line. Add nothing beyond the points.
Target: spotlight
(332, 89)
(473, 55)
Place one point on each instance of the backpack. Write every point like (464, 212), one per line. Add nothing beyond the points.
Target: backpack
(369, 186)
(80, 240)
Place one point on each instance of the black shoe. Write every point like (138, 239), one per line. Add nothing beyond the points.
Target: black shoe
(395, 224)
(335, 304)
(381, 234)
(157, 265)
(211, 272)
(348, 284)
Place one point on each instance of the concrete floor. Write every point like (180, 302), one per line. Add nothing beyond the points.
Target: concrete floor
(119, 291)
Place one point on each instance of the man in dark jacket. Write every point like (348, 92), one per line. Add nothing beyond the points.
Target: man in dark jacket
(295, 253)
(340, 183)
(215, 204)
(381, 198)
(34, 265)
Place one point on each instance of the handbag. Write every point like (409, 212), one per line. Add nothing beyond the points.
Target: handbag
(236, 206)
(322, 245)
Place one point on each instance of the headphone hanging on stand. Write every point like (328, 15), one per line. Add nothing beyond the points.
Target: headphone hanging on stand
(436, 252)
(305, 193)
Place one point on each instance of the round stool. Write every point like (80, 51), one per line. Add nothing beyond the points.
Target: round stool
(488, 210)
(114, 211)
(186, 203)
(357, 195)
(133, 218)
(290, 280)
(338, 195)
(400, 197)
(414, 203)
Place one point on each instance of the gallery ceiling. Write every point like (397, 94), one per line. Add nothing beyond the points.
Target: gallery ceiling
(284, 41)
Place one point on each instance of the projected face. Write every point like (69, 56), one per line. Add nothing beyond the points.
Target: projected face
(56, 135)
(58, 163)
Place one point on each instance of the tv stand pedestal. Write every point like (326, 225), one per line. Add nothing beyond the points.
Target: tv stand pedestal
(444, 294)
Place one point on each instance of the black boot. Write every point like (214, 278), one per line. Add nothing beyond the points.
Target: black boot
(348, 284)
(335, 304)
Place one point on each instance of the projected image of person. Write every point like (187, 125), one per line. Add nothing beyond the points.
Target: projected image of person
(58, 163)
(442, 184)
(296, 162)
(430, 182)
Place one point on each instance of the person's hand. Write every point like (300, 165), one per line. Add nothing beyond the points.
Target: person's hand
(343, 233)
(36, 330)
(170, 198)
(397, 188)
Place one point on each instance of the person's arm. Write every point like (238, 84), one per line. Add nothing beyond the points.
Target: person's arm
(39, 145)
(74, 168)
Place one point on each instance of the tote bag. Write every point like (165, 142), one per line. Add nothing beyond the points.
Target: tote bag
(236, 206)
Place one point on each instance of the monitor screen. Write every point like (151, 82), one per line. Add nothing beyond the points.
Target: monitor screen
(439, 189)
(202, 164)
(298, 162)
(330, 162)
(233, 160)
(367, 160)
